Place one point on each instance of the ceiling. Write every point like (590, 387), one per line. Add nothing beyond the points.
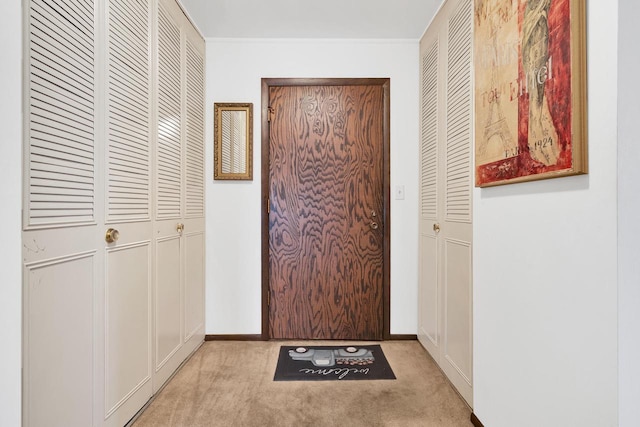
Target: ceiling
(322, 19)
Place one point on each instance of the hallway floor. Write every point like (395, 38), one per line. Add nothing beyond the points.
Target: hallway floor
(230, 383)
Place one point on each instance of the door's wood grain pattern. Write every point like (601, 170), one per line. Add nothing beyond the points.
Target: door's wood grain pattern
(326, 190)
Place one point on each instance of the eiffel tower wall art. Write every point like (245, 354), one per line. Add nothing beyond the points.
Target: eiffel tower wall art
(530, 90)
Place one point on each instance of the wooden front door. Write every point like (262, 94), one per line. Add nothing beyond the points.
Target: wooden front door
(327, 211)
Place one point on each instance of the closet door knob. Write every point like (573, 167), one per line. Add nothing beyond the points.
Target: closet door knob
(180, 227)
(112, 235)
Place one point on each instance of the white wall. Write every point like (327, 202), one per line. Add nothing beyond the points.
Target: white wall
(545, 314)
(11, 190)
(234, 70)
(545, 284)
(628, 207)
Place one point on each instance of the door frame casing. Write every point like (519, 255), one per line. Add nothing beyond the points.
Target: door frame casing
(267, 83)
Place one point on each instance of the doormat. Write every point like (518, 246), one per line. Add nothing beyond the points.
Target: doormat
(324, 363)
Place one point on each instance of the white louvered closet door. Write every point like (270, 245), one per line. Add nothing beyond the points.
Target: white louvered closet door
(430, 207)
(128, 262)
(179, 193)
(194, 232)
(113, 140)
(445, 317)
(61, 213)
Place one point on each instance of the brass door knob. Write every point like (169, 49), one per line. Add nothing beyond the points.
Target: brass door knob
(436, 228)
(180, 227)
(112, 235)
(373, 225)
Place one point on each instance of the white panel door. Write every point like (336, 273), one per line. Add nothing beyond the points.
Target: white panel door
(455, 228)
(168, 305)
(168, 196)
(445, 327)
(194, 288)
(113, 142)
(194, 237)
(127, 338)
(179, 193)
(58, 347)
(429, 306)
(128, 261)
(62, 265)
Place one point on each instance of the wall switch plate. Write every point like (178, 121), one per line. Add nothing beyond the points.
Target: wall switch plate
(399, 192)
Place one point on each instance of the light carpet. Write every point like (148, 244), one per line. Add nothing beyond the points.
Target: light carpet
(230, 383)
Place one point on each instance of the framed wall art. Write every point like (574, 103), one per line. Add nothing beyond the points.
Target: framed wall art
(530, 90)
(233, 141)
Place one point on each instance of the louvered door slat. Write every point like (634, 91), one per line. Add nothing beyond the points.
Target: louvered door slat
(70, 76)
(61, 62)
(130, 129)
(123, 170)
(59, 172)
(79, 13)
(54, 172)
(129, 151)
(131, 125)
(70, 106)
(129, 91)
(67, 72)
(43, 85)
(53, 196)
(130, 134)
(50, 16)
(167, 156)
(61, 110)
(138, 25)
(47, 149)
(195, 133)
(429, 136)
(73, 128)
(130, 186)
(458, 179)
(130, 83)
(129, 46)
(59, 213)
(457, 171)
(45, 131)
(47, 184)
(60, 51)
(169, 153)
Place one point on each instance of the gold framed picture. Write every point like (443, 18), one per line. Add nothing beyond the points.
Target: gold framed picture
(233, 141)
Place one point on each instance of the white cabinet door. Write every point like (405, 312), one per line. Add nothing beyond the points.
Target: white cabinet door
(194, 221)
(179, 193)
(430, 206)
(128, 280)
(110, 146)
(445, 307)
(62, 263)
(168, 304)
